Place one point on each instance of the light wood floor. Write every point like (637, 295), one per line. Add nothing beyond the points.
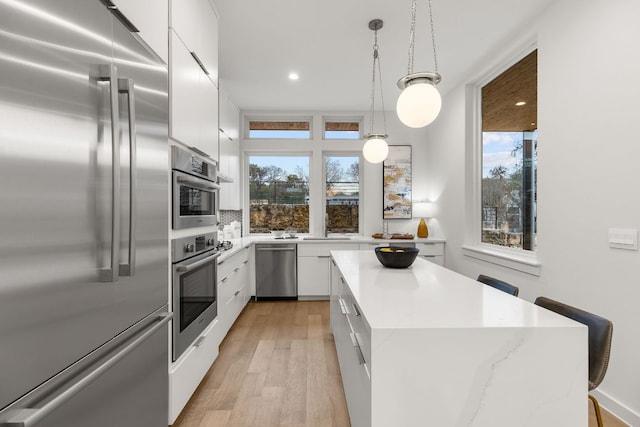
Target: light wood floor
(278, 367)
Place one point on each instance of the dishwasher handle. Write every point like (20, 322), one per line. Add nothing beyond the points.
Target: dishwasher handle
(276, 249)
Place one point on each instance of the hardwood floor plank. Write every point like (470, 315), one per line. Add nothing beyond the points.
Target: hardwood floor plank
(294, 407)
(262, 356)
(215, 419)
(278, 367)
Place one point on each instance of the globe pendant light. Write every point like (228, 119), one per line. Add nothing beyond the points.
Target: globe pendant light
(419, 103)
(375, 150)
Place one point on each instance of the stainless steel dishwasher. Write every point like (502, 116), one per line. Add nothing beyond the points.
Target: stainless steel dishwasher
(276, 271)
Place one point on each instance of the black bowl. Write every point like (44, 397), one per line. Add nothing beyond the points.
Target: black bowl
(399, 257)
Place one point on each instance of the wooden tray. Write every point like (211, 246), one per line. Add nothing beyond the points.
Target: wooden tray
(394, 236)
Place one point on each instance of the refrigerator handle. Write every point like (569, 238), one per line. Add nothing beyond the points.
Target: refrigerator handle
(126, 87)
(29, 417)
(108, 73)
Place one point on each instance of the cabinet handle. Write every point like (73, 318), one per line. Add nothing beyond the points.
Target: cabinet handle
(199, 341)
(343, 307)
(236, 269)
(324, 256)
(356, 345)
(355, 309)
(333, 262)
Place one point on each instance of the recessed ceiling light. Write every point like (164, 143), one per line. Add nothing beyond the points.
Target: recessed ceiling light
(520, 103)
(293, 76)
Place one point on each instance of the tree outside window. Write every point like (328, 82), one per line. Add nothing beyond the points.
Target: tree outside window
(278, 193)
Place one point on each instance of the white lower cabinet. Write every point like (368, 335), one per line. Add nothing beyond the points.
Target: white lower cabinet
(313, 268)
(232, 294)
(187, 372)
(432, 251)
(352, 338)
(233, 281)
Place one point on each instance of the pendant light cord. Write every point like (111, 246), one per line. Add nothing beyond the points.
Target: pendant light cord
(433, 39)
(376, 59)
(412, 37)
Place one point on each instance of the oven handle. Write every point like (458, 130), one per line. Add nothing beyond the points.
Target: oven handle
(108, 73)
(126, 87)
(184, 268)
(203, 185)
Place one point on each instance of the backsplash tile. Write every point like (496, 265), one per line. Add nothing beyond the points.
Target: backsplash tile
(227, 217)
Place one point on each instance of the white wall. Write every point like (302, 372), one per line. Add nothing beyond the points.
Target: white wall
(589, 174)
(370, 173)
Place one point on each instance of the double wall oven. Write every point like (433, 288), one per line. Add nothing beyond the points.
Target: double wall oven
(195, 191)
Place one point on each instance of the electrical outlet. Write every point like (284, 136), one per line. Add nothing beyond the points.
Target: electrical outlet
(623, 238)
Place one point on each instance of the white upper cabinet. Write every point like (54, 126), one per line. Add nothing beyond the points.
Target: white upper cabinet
(196, 23)
(229, 165)
(193, 106)
(151, 18)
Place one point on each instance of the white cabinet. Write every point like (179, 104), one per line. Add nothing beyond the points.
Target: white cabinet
(313, 268)
(151, 18)
(432, 251)
(187, 372)
(229, 166)
(196, 23)
(193, 105)
(233, 287)
(352, 338)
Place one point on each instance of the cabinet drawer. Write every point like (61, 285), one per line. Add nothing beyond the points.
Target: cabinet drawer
(430, 249)
(234, 262)
(188, 371)
(323, 249)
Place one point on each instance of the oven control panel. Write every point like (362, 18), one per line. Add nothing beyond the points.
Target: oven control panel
(186, 247)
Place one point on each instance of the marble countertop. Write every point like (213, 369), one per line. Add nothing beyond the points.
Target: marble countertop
(238, 244)
(427, 295)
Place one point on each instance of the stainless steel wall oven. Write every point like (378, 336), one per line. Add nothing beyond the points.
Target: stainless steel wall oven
(195, 191)
(194, 297)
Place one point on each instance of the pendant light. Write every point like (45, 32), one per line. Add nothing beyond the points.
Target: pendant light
(375, 150)
(420, 102)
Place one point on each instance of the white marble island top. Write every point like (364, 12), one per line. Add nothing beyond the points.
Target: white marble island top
(441, 349)
(427, 295)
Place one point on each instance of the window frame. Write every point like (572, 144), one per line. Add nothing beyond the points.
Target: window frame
(247, 184)
(526, 261)
(342, 119)
(361, 180)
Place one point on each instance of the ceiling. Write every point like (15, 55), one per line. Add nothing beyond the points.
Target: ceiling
(328, 43)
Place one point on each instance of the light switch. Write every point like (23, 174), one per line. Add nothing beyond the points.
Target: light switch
(623, 238)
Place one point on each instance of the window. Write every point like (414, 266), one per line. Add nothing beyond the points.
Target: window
(342, 196)
(278, 193)
(341, 129)
(265, 129)
(509, 163)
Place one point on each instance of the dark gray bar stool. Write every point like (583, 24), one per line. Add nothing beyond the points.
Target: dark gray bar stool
(499, 284)
(600, 333)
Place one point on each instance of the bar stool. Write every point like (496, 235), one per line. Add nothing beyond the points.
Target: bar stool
(600, 333)
(499, 284)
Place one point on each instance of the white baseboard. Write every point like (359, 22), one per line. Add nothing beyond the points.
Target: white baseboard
(618, 409)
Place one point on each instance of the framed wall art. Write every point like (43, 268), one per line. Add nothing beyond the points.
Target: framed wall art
(396, 185)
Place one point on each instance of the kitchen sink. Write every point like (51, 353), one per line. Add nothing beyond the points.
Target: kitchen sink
(327, 238)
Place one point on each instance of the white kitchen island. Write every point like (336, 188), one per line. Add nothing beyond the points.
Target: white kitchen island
(425, 346)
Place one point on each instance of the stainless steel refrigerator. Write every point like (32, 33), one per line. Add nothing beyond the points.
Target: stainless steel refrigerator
(83, 219)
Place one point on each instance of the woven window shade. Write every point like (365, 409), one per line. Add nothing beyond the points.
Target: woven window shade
(278, 125)
(342, 126)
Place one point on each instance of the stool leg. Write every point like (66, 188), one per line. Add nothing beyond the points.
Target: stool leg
(596, 406)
